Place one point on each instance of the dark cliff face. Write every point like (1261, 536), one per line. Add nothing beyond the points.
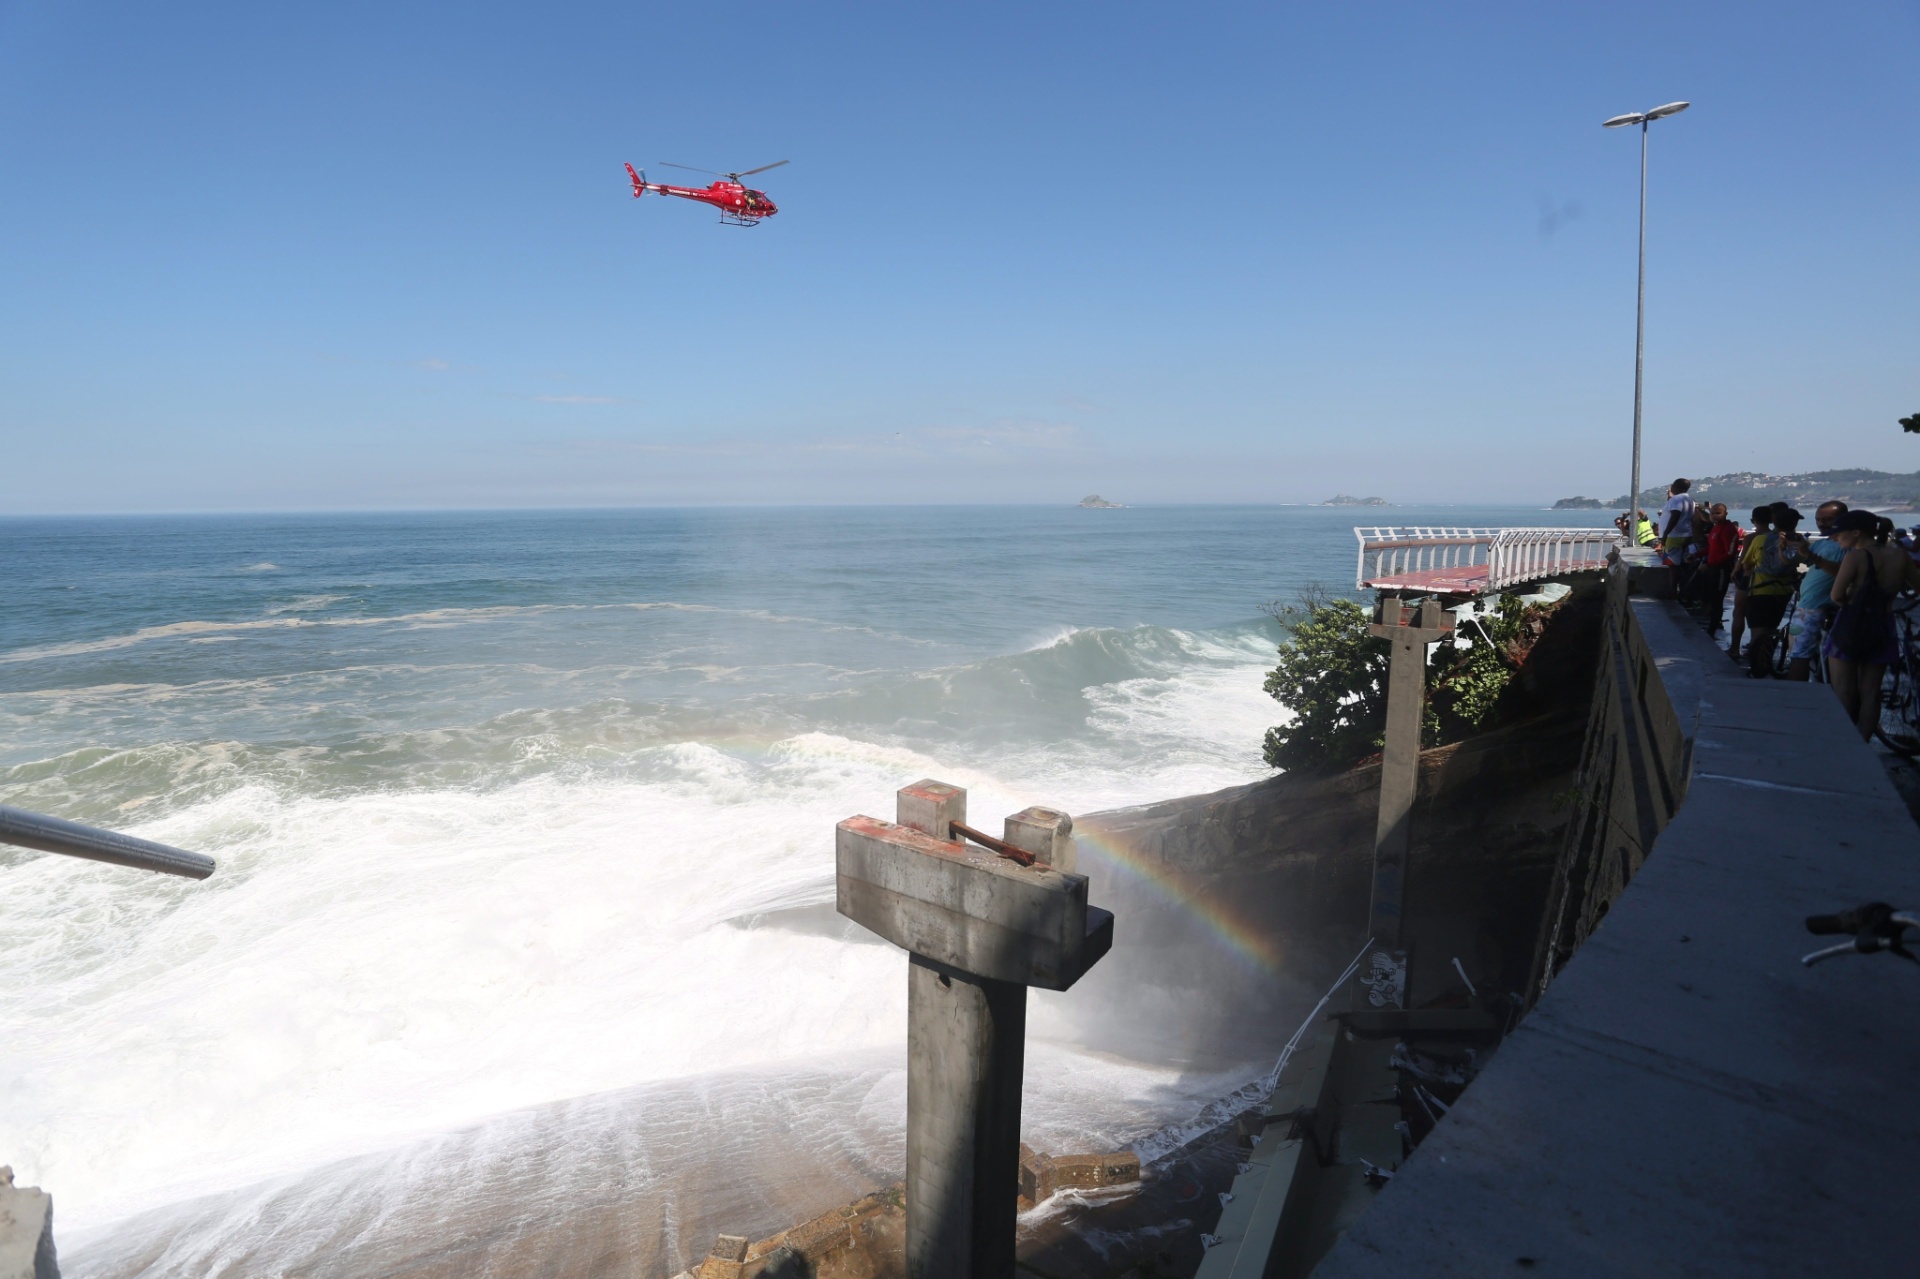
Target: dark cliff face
(1288, 863)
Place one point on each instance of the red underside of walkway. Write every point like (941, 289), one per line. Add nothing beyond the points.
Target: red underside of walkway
(1467, 579)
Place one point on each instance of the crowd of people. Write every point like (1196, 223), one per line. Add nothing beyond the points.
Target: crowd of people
(1839, 588)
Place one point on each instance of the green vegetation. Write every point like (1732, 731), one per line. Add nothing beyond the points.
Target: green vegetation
(1332, 676)
(1464, 685)
(1580, 504)
(1858, 488)
(1911, 424)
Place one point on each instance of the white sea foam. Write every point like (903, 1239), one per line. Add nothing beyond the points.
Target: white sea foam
(426, 619)
(492, 876)
(306, 604)
(380, 966)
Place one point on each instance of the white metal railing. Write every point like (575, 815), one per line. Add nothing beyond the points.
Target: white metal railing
(1510, 555)
(1527, 554)
(1394, 552)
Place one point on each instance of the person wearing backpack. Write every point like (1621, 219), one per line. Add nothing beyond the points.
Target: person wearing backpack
(1743, 575)
(1863, 642)
(1773, 577)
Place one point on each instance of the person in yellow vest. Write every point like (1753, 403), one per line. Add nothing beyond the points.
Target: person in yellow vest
(1644, 533)
(1772, 564)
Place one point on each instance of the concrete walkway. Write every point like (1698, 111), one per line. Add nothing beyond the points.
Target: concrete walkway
(1688, 1099)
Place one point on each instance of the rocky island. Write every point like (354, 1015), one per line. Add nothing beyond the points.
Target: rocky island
(1579, 504)
(1094, 502)
(1347, 499)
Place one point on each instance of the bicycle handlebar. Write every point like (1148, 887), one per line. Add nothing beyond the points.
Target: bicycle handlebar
(1875, 926)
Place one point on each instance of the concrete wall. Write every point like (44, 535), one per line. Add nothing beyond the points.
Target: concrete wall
(1634, 769)
(1686, 1098)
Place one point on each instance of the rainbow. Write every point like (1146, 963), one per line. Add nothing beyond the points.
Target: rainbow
(1250, 942)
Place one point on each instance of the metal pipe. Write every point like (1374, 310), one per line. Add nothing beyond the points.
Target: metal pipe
(55, 835)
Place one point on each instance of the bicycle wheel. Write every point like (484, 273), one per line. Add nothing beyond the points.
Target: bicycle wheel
(1783, 641)
(1899, 725)
(1782, 645)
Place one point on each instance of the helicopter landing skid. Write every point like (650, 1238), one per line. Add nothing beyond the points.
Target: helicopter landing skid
(730, 218)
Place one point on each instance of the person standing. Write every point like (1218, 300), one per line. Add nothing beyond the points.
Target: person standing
(1814, 612)
(1773, 565)
(1723, 546)
(1676, 530)
(1863, 643)
(1743, 575)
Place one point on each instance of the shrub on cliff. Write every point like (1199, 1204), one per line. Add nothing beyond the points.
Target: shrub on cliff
(1333, 677)
(1465, 685)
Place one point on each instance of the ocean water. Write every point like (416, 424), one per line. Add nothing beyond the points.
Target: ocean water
(525, 831)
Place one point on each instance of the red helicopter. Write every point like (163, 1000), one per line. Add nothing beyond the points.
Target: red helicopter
(739, 204)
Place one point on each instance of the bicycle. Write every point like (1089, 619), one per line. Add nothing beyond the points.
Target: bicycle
(1780, 659)
(1875, 926)
(1899, 726)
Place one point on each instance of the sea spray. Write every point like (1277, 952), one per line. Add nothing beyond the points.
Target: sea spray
(515, 813)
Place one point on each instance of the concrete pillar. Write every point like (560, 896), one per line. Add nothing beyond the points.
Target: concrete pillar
(1047, 833)
(26, 1231)
(966, 1056)
(980, 928)
(1385, 975)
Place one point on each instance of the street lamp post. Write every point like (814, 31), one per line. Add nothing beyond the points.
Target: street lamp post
(1643, 119)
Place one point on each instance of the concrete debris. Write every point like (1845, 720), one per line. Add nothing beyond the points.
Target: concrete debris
(863, 1240)
(1042, 1176)
(26, 1231)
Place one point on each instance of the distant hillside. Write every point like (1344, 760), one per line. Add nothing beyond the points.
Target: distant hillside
(1873, 490)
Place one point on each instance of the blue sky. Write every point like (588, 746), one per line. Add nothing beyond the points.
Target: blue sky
(268, 257)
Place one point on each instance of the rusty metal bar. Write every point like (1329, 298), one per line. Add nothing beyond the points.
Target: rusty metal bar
(962, 831)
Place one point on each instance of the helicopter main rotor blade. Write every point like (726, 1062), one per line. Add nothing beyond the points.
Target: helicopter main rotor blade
(762, 169)
(668, 164)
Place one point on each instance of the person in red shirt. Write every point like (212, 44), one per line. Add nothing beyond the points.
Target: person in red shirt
(1723, 549)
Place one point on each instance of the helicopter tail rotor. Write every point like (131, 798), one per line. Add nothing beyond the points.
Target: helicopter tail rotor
(639, 181)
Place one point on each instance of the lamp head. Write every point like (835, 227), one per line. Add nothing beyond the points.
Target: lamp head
(1631, 117)
(1672, 108)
